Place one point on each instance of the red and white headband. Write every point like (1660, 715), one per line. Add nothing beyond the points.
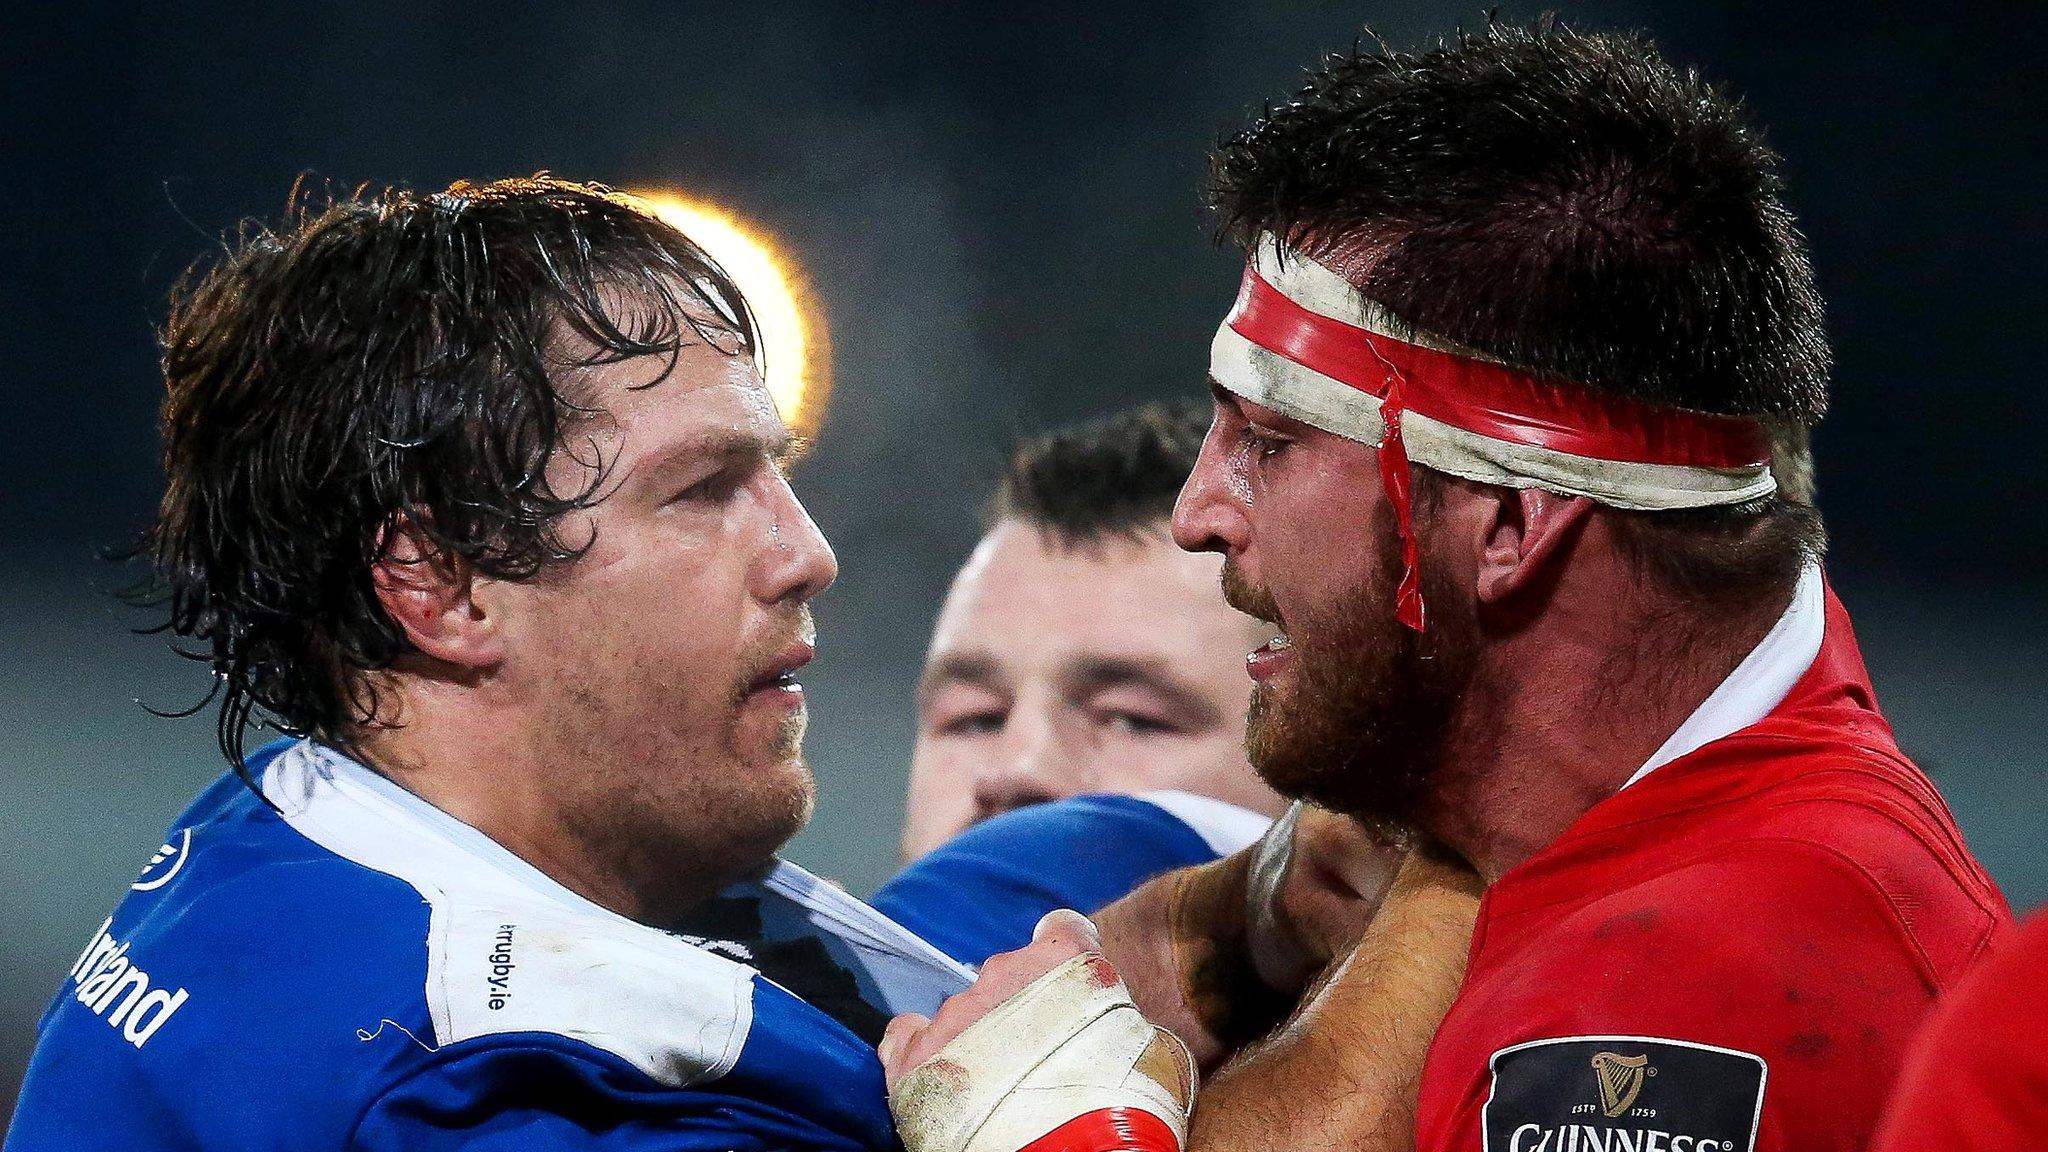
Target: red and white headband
(1302, 341)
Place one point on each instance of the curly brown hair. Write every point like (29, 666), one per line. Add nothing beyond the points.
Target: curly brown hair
(391, 358)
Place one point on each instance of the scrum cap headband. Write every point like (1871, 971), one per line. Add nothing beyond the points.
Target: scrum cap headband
(1302, 341)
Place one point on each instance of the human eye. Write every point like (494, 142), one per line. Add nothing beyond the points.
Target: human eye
(1133, 710)
(1263, 442)
(1136, 724)
(713, 488)
(973, 724)
(963, 710)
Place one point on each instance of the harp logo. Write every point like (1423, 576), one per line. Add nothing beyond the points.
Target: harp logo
(1620, 1079)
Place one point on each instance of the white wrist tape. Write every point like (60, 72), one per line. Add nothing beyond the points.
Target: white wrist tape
(1277, 955)
(1068, 1056)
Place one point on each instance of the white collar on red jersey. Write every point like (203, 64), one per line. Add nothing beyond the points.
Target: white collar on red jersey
(1761, 682)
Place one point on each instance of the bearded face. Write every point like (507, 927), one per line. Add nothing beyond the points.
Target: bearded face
(1356, 721)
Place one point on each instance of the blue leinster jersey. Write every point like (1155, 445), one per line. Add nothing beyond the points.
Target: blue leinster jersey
(346, 967)
(983, 891)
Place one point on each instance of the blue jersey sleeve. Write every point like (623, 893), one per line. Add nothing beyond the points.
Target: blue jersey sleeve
(983, 891)
(554, 1095)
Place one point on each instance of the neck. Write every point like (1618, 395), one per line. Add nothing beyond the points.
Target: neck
(1564, 712)
(501, 777)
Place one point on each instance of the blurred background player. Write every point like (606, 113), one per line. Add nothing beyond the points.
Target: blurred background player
(1079, 657)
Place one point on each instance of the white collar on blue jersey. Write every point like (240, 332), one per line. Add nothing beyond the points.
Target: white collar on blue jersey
(1761, 682)
(911, 974)
(486, 851)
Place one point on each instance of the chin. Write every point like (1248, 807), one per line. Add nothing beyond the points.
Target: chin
(780, 797)
(767, 817)
(801, 797)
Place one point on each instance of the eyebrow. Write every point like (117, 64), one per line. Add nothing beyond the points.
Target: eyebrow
(1096, 673)
(720, 445)
(974, 668)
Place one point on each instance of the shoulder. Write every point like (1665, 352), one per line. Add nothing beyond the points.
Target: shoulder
(1798, 813)
(1224, 827)
(1772, 976)
(328, 911)
(239, 952)
(1873, 817)
(1710, 1001)
(1802, 910)
(350, 951)
(1117, 835)
(1755, 905)
(981, 892)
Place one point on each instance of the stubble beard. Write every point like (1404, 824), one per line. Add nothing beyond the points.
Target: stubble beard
(1361, 723)
(680, 815)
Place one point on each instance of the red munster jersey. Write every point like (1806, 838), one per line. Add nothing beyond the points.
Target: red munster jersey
(1976, 1080)
(1728, 955)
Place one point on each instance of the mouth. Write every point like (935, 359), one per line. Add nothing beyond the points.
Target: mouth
(1269, 659)
(777, 681)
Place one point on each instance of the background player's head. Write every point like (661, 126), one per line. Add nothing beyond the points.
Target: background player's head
(1573, 207)
(484, 487)
(1079, 650)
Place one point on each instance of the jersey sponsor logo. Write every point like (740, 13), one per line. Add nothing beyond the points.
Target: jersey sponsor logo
(1622, 1094)
(116, 989)
(498, 968)
(168, 861)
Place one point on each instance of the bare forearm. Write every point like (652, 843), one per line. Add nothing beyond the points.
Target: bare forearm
(1343, 1073)
(1179, 943)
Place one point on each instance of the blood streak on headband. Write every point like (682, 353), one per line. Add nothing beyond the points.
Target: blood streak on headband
(1302, 341)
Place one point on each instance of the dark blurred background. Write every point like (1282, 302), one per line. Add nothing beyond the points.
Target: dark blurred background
(998, 206)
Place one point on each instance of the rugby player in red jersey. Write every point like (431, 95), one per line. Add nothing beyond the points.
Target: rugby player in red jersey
(1976, 1078)
(1493, 449)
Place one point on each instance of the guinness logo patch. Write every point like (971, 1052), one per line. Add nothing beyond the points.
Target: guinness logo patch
(1621, 1079)
(1644, 1092)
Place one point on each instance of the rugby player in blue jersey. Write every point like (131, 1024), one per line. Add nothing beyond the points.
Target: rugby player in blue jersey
(479, 496)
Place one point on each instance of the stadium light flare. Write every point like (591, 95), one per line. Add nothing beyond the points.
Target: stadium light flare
(794, 355)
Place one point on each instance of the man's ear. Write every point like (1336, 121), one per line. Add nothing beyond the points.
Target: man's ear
(1528, 534)
(428, 595)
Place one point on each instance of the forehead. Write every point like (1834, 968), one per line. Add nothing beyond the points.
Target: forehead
(1023, 599)
(644, 405)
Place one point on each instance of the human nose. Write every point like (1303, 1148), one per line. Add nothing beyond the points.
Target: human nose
(798, 562)
(1030, 763)
(1210, 514)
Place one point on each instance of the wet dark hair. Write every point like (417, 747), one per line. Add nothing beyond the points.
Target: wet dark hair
(392, 360)
(1572, 204)
(1113, 477)
(1567, 202)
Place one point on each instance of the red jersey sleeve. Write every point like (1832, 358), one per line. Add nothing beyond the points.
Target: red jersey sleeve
(1758, 998)
(1976, 1079)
